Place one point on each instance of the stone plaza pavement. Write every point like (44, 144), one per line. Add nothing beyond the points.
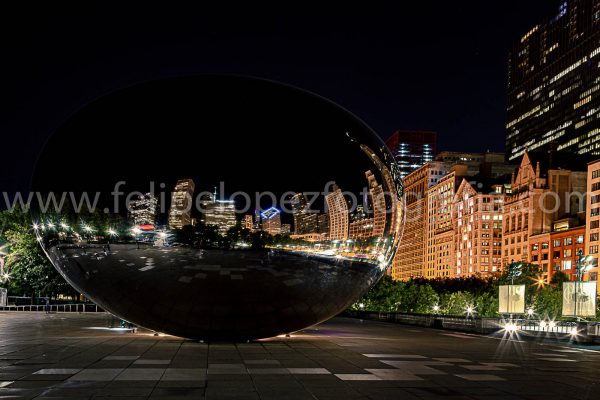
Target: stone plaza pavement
(76, 356)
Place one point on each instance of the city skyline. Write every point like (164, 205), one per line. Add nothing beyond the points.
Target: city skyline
(482, 61)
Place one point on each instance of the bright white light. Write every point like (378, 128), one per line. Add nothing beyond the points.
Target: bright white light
(36, 227)
(542, 324)
(64, 226)
(436, 308)
(551, 324)
(112, 232)
(87, 228)
(574, 331)
(510, 327)
(530, 311)
(136, 231)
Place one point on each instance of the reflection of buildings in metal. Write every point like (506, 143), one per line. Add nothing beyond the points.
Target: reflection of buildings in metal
(214, 294)
(337, 209)
(180, 214)
(220, 213)
(271, 221)
(190, 282)
(143, 210)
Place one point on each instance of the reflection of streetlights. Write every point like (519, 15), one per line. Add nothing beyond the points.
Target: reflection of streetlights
(136, 231)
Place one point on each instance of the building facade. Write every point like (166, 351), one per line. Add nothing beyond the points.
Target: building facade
(477, 222)
(412, 149)
(305, 219)
(592, 229)
(220, 213)
(409, 261)
(554, 85)
(180, 214)
(337, 207)
(271, 221)
(143, 210)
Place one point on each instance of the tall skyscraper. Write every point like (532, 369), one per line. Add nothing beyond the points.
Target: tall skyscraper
(412, 149)
(305, 220)
(338, 214)
(554, 84)
(180, 213)
(143, 210)
(271, 221)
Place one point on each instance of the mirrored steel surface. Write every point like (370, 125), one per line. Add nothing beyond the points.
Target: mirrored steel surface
(202, 273)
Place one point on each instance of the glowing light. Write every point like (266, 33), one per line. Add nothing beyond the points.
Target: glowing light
(469, 310)
(530, 311)
(112, 232)
(36, 227)
(551, 324)
(436, 308)
(87, 228)
(542, 324)
(539, 281)
(510, 327)
(136, 231)
(573, 331)
(64, 226)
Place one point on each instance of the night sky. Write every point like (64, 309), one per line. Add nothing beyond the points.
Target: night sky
(434, 65)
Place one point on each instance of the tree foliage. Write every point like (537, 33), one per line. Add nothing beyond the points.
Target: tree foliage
(30, 272)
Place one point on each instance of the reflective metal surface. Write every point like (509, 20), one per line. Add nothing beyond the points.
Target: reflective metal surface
(220, 208)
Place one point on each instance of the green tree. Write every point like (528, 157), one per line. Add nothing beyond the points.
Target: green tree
(385, 296)
(548, 302)
(417, 298)
(30, 271)
(558, 278)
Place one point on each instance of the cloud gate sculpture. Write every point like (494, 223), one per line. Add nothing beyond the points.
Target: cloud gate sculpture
(218, 207)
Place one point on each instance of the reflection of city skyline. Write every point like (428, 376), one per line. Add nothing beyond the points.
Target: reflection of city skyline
(340, 219)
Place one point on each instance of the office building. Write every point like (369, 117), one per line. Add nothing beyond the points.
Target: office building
(220, 213)
(554, 85)
(337, 208)
(180, 213)
(305, 219)
(271, 221)
(412, 149)
(143, 210)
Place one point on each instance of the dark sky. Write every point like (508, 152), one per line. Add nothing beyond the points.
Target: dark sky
(436, 65)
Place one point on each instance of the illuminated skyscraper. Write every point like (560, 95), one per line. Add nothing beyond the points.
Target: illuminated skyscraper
(220, 213)
(248, 222)
(286, 229)
(412, 149)
(180, 213)
(143, 210)
(305, 220)
(553, 84)
(338, 214)
(271, 221)
(377, 199)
